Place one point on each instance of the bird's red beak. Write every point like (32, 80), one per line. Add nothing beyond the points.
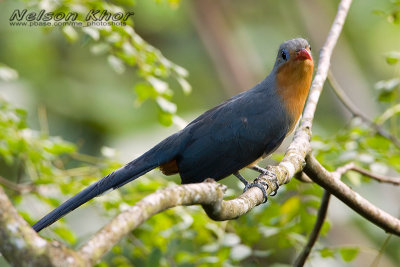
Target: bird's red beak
(303, 54)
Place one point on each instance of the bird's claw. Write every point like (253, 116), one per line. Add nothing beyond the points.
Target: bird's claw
(273, 180)
(261, 186)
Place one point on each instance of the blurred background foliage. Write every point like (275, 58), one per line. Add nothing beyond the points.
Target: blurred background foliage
(77, 103)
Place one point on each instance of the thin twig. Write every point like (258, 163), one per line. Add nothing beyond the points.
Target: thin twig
(377, 177)
(323, 209)
(338, 90)
(330, 182)
(375, 263)
(390, 112)
(19, 188)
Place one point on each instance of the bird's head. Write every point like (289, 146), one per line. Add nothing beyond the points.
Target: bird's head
(295, 53)
(293, 72)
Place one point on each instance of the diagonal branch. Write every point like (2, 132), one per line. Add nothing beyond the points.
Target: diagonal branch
(332, 183)
(338, 90)
(323, 209)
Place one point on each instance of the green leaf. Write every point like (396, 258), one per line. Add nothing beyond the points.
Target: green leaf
(144, 91)
(59, 147)
(348, 254)
(393, 57)
(326, 253)
(388, 89)
(165, 118)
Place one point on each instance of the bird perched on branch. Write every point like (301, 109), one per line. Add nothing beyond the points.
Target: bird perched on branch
(225, 139)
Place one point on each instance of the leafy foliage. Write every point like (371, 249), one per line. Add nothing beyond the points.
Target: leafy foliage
(125, 48)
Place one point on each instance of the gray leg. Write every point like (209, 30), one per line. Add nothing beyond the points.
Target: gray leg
(241, 178)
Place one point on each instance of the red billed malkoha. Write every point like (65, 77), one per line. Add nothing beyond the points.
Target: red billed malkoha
(225, 139)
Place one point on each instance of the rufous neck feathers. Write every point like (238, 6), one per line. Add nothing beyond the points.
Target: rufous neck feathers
(293, 80)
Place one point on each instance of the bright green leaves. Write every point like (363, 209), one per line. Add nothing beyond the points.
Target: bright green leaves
(392, 57)
(126, 49)
(348, 253)
(31, 148)
(388, 90)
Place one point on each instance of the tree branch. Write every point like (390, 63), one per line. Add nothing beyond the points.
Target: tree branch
(208, 193)
(332, 183)
(337, 89)
(323, 209)
(22, 246)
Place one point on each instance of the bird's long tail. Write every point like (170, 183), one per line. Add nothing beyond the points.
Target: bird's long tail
(161, 153)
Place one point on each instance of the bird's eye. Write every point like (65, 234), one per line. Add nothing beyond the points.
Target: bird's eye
(309, 47)
(284, 54)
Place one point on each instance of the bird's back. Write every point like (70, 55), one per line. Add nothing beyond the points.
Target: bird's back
(233, 135)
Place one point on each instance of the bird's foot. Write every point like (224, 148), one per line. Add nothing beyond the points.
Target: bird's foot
(259, 169)
(256, 183)
(271, 177)
(260, 185)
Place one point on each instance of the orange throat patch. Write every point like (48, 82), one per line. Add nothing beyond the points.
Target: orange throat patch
(293, 81)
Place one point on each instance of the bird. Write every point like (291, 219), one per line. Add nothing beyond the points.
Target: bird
(232, 136)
